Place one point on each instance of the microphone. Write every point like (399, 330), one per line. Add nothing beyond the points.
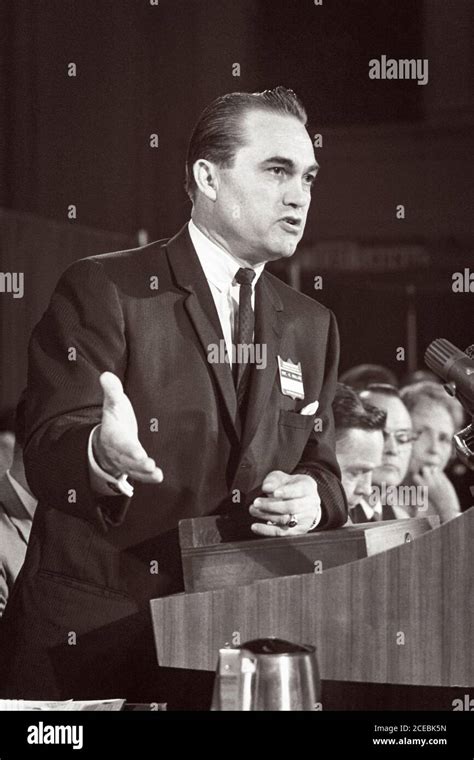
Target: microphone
(464, 443)
(470, 351)
(454, 366)
(457, 368)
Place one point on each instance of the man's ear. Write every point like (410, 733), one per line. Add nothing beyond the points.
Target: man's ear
(205, 176)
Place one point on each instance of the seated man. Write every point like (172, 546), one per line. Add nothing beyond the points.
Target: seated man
(17, 507)
(359, 447)
(389, 500)
(435, 417)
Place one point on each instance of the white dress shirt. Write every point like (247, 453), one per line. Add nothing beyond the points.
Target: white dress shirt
(371, 511)
(219, 268)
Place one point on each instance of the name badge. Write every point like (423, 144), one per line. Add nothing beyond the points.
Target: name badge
(291, 378)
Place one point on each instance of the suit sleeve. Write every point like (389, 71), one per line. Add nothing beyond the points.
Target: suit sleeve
(319, 458)
(81, 335)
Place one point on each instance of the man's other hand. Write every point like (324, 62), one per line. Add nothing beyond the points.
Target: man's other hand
(287, 497)
(115, 443)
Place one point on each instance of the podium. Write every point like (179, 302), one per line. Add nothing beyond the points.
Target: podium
(401, 616)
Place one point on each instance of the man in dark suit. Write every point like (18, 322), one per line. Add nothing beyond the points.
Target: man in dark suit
(143, 410)
(359, 447)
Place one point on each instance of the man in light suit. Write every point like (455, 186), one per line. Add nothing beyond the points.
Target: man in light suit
(17, 508)
(133, 424)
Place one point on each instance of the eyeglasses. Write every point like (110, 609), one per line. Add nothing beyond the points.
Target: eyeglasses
(401, 437)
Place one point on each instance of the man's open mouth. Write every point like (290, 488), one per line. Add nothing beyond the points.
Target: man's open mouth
(291, 223)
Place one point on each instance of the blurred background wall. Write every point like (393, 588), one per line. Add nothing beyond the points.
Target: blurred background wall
(144, 68)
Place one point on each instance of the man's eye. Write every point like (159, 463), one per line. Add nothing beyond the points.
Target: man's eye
(310, 178)
(277, 170)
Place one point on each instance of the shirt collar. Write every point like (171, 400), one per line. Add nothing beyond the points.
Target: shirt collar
(370, 509)
(28, 501)
(219, 266)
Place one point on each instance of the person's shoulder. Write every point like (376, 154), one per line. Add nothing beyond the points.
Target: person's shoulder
(117, 266)
(130, 256)
(292, 298)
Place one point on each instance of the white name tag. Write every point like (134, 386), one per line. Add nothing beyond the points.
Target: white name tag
(291, 378)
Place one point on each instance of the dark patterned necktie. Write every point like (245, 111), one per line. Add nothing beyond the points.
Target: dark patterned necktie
(244, 333)
(358, 515)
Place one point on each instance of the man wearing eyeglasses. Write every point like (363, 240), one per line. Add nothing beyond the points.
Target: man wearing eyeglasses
(398, 443)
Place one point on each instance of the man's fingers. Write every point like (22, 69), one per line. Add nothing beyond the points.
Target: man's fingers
(143, 464)
(112, 388)
(130, 457)
(294, 489)
(144, 477)
(266, 506)
(262, 529)
(274, 479)
(122, 451)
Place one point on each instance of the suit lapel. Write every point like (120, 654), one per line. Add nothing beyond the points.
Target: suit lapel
(268, 330)
(203, 314)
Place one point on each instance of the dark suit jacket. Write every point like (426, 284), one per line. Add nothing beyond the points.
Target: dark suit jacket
(15, 526)
(90, 559)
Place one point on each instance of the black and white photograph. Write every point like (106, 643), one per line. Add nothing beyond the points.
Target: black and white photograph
(237, 370)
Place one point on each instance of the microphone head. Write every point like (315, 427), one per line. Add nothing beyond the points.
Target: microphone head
(470, 351)
(440, 355)
(464, 444)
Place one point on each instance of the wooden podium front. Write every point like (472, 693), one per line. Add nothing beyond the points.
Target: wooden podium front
(402, 616)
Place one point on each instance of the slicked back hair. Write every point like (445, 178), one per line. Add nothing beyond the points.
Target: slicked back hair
(351, 412)
(218, 133)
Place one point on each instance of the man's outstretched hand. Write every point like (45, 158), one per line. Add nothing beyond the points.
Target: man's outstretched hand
(115, 443)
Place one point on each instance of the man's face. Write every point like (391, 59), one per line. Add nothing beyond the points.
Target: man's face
(435, 429)
(358, 453)
(398, 445)
(263, 199)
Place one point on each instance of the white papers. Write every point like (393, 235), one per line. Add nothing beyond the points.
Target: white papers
(68, 705)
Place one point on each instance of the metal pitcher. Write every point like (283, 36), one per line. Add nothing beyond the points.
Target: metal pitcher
(267, 674)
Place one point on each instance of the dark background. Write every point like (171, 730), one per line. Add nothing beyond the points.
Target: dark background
(144, 69)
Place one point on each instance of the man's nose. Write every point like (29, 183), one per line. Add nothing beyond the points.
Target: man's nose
(391, 445)
(296, 195)
(364, 485)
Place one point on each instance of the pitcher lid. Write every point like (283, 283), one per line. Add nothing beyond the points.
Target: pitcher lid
(273, 645)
